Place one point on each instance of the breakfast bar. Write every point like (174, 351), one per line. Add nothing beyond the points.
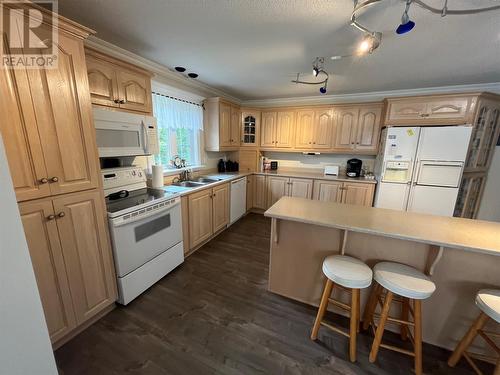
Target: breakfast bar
(460, 255)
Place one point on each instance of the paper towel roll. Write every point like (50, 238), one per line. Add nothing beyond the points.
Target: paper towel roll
(157, 181)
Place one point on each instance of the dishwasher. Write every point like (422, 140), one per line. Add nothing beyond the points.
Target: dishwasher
(238, 199)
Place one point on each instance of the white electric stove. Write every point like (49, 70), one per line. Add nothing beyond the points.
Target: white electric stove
(146, 230)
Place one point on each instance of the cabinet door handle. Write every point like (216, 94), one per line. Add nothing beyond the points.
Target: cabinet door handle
(314, 143)
(51, 217)
(54, 179)
(122, 101)
(61, 214)
(424, 115)
(44, 180)
(117, 101)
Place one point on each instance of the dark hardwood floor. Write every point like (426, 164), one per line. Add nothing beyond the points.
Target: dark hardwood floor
(214, 315)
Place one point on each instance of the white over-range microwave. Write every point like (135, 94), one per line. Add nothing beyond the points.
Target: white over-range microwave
(124, 134)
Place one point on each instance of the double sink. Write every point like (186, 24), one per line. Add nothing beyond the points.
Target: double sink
(196, 182)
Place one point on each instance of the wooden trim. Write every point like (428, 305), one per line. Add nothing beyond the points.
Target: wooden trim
(102, 56)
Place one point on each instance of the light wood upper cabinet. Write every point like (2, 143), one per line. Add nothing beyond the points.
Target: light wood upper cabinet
(222, 122)
(285, 129)
(51, 141)
(20, 136)
(345, 128)
(200, 217)
(358, 193)
(40, 228)
(368, 129)
(225, 125)
(357, 128)
(429, 110)
(102, 82)
(268, 129)
(278, 129)
(305, 129)
(87, 252)
(134, 89)
(259, 192)
(300, 188)
(117, 84)
(235, 126)
(220, 207)
(323, 125)
(327, 191)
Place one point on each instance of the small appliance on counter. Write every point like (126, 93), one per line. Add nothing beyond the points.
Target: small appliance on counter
(354, 167)
(331, 170)
(227, 166)
(274, 165)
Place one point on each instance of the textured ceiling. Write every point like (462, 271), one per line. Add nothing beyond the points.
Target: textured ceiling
(253, 48)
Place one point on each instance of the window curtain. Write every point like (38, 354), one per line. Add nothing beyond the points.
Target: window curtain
(174, 114)
(179, 127)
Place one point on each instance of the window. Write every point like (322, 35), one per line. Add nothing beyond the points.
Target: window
(179, 130)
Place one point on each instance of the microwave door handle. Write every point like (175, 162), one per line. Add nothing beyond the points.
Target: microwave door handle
(146, 143)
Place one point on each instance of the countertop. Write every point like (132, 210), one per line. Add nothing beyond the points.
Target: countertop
(230, 176)
(472, 235)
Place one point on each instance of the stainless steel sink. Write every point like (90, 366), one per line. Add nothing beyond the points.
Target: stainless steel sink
(204, 180)
(190, 184)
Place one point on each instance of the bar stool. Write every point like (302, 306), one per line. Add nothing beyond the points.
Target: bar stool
(351, 275)
(413, 286)
(488, 301)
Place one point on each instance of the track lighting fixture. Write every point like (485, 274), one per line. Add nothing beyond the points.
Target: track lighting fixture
(317, 69)
(406, 24)
(369, 43)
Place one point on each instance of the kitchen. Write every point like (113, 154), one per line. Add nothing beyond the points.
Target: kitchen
(211, 218)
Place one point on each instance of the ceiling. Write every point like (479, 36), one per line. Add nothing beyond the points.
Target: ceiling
(253, 49)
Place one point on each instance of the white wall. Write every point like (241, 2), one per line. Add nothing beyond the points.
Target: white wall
(298, 160)
(490, 204)
(24, 341)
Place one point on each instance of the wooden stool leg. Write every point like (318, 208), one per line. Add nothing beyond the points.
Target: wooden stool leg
(358, 312)
(405, 314)
(327, 291)
(467, 339)
(417, 335)
(354, 324)
(497, 367)
(380, 329)
(371, 305)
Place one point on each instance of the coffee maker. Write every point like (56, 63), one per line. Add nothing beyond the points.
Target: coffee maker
(353, 167)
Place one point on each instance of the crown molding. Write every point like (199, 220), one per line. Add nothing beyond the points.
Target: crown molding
(162, 74)
(371, 96)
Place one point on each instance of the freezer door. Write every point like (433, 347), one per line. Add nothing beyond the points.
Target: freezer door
(446, 143)
(392, 196)
(433, 200)
(439, 173)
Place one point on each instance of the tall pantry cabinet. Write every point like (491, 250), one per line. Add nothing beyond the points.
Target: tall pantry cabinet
(47, 127)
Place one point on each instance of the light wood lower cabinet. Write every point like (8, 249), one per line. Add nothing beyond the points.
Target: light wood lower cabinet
(71, 258)
(250, 186)
(259, 192)
(220, 197)
(200, 217)
(327, 191)
(278, 187)
(344, 192)
(208, 213)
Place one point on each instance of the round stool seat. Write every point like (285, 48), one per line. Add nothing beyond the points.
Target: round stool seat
(347, 271)
(488, 301)
(403, 280)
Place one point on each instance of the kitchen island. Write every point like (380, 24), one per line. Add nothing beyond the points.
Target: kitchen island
(461, 255)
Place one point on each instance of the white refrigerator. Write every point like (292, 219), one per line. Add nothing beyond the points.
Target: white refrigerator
(419, 169)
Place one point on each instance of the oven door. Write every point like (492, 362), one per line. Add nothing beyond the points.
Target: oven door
(140, 239)
(119, 139)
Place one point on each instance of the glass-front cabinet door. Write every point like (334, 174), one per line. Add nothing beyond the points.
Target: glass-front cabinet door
(469, 195)
(250, 128)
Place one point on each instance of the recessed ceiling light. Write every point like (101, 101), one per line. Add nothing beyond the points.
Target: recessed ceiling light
(180, 69)
(192, 75)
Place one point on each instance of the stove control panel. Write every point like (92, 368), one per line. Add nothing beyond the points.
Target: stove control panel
(124, 177)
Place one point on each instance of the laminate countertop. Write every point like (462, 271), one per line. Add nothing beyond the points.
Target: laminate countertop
(315, 176)
(471, 235)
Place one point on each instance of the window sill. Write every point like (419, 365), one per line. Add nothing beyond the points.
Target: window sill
(172, 172)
